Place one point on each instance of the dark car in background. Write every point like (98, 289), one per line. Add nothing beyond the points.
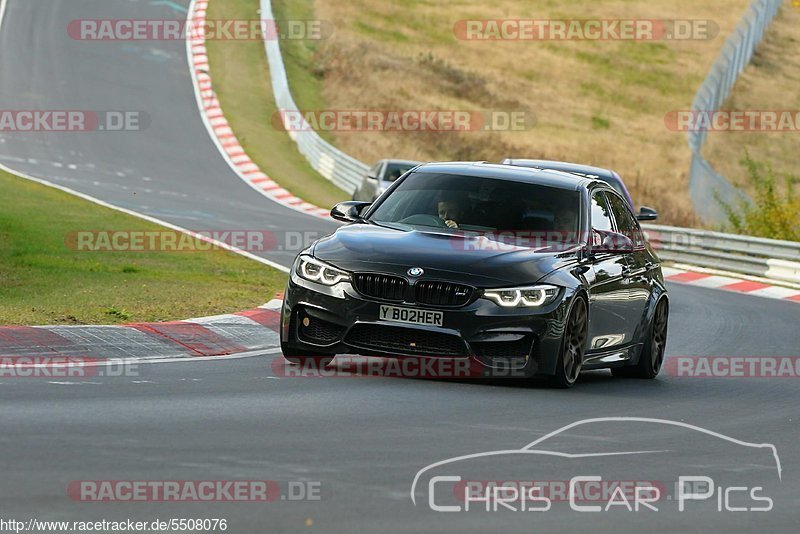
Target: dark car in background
(542, 272)
(608, 176)
(380, 176)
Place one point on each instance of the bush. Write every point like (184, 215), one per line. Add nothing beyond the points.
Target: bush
(774, 211)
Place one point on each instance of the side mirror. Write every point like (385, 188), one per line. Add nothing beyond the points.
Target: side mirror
(372, 177)
(647, 214)
(348, 211)
(611, 242)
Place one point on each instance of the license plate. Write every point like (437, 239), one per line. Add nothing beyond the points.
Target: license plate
(410, 316)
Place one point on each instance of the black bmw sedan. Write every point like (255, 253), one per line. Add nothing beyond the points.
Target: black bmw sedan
(539, 272)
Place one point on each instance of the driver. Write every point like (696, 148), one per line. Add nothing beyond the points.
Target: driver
(452, 209)
(566, 222)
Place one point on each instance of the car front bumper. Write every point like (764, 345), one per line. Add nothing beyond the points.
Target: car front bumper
(339, 320)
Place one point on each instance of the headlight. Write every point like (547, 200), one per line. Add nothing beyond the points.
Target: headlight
(319, 272)
(531, 297)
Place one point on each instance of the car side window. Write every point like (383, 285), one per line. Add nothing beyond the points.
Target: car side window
(626, 223)
(601, 216)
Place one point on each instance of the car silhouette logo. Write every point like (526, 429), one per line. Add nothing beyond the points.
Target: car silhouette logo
(415, 272)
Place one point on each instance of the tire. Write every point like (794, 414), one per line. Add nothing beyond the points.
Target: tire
(652, 356)
(573, 346)
(305, 359)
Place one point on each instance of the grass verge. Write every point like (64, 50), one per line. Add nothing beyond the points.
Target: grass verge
(241, 80)
(45, 281)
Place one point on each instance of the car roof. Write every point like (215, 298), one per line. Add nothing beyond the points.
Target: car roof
(482, 169)
(605, 175)
(564, 166)
(409, 162)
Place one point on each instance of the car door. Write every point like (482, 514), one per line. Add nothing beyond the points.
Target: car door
(609, 315)
(636, 274)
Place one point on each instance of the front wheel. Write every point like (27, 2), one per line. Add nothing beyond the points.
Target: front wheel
(654, 347)
(573, 346)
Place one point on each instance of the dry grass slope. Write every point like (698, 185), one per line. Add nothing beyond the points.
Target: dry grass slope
(601, 103)
(771, 82)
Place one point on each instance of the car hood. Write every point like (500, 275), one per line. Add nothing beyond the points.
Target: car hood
(467, 258)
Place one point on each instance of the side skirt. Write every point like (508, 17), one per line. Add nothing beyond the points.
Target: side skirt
(616, 357)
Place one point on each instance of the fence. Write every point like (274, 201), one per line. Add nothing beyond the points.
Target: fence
(343, 170)
(706, 187)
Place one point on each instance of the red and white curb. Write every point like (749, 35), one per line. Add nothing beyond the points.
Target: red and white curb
(220, 335)
(243, 332)
(220, 130)
(727, 283)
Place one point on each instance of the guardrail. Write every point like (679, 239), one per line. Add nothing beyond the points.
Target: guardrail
(343, 170)
(776, 260)
(754, 256)
(706, 187)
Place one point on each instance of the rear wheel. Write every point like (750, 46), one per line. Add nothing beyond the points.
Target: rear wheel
(573, 346)
(652, 356)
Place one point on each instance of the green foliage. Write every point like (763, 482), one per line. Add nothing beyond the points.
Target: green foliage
(774, 212)
(122, 315)
(600, 123)
(45, 280)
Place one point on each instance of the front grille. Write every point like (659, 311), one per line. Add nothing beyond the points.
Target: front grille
(318, 332)
(400, 340)
(442, 293)
(381, 286)
(502, 349)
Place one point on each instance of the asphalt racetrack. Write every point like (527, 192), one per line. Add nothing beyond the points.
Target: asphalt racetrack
(360, 441)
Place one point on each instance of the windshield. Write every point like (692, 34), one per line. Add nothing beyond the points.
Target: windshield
(467, 203)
